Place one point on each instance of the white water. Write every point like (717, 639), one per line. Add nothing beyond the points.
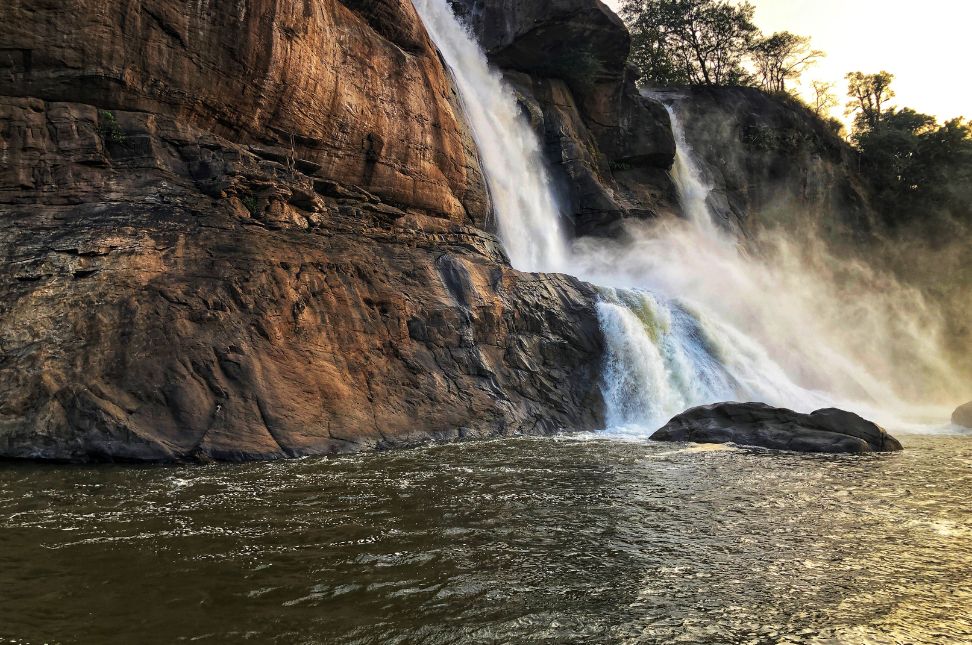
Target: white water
(688, 316)
(519, 184)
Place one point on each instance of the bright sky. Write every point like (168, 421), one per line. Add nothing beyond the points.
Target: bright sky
(925, 44)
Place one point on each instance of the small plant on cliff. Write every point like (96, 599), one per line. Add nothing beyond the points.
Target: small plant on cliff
(250, 203)
(109, 128)
(580, 67)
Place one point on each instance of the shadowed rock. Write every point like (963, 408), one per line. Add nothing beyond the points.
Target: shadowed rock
(963, 416)
(566, 59)
(757, 424)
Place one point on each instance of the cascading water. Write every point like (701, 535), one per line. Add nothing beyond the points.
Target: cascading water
(519, 184)
(691, 318)
(688, 316)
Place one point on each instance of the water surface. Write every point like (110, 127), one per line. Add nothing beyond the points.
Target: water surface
(524, 540)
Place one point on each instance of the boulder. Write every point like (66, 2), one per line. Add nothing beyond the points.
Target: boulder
(760, 425)
(963, 416)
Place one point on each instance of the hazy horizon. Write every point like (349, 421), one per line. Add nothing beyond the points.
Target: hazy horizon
(924, 68)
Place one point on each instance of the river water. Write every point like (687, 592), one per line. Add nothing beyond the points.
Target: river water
(578, 539)
(594, 539)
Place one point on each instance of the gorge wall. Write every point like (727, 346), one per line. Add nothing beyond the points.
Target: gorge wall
(258, 229)
(567, 59)
(773, 163)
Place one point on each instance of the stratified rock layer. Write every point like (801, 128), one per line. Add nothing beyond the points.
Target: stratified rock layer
(355, 88)
(253, 230)
(760, 425)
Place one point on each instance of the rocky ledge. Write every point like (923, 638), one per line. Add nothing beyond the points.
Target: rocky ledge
(759, 425)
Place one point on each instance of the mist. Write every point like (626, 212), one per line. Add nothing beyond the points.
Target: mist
(778, 316)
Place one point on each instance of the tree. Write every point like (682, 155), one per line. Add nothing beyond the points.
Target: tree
(917, 167)
(824, 99)
(655, 41)
(869, 94)
(699, 42)
(781, 58)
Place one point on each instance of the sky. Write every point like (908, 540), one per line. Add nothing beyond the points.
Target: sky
(926, 44)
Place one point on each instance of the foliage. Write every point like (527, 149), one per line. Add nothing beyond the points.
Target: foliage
(699, 42)
(870, 93)
(109, 128)
(824, 99)
(917, 168)
(780, 58)
(251, 204)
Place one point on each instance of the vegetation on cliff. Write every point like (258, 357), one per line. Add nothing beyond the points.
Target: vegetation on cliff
(918, 170)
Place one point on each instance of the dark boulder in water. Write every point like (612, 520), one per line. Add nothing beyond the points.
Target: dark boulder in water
(963, 416)
(757, 424)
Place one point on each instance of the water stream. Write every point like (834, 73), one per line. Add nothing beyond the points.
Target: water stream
(690, 316)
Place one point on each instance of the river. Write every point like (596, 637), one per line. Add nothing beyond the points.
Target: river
(578, 539)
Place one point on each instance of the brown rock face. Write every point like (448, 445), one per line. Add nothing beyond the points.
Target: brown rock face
(249, 230)
(353, 87)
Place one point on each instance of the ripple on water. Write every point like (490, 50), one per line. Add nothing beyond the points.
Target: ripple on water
(521, 540)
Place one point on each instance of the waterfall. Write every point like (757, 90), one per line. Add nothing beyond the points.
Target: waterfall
(693, 190)
(689, 317)
(526, 207)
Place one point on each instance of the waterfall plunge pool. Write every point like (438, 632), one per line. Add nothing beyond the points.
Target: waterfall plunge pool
(522, 540)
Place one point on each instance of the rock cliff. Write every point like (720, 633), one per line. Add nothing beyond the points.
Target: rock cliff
(612, 148)
(257, 229)
(773, 163)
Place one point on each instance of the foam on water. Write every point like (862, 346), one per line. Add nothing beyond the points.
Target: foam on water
(691, 317)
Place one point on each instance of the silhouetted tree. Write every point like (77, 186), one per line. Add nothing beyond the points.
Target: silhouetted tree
(824, 99)
(869, 93)
(699, 42)
(780, 58)
(919, 170)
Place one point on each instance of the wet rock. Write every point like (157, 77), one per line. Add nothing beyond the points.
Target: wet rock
(255, 230)
(611, 147)
(963, 416)
(580, 41)
(760, 425)
(773, 163)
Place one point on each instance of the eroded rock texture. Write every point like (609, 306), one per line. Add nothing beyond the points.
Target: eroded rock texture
(612, 147)
(254, 229)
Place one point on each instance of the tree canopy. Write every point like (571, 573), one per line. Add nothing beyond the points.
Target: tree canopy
(917, 167)
(781, 58)
(699, 42)
(869, 93)
(712, 42)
